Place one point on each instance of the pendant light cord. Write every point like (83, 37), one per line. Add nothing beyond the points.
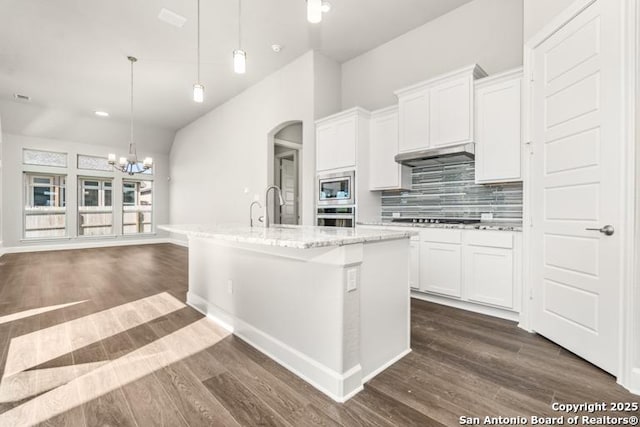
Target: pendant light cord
(131, 144)
(239, 24)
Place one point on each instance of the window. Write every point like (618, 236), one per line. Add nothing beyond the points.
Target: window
(137, 207)
(45, 206)
(94, 163)
(44, 158)
(95, 209)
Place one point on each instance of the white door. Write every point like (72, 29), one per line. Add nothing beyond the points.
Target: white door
(575, 184)
(288, 180)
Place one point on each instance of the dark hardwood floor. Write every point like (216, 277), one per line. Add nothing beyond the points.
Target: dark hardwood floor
(102, 337)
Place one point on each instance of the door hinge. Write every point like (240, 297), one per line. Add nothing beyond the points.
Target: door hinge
(531, 294)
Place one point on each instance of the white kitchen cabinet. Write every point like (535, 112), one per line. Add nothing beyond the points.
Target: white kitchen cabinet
(451, 112)
(414, 263)
(413, 129)
(441, 268)
(337, 139)
(498, 127)
(438, 112)
(489, 276)
(384, 172)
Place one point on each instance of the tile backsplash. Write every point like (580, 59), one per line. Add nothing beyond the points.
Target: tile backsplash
(449, 191)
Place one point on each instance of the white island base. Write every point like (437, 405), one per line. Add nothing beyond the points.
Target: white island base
(336, 316)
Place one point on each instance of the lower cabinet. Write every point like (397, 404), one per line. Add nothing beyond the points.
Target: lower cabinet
(441, 268)
(414, 263)
(489, 275)
(475, 266)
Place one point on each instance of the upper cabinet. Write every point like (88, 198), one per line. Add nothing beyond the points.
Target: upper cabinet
(384, 172)
(413, 121)
(337, 139)
(498, 127)
(439, 111)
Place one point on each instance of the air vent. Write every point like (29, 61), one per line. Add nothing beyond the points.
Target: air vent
(20, 97)
(171, 18)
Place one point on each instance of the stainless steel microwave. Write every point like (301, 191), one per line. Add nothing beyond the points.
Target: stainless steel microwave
(336, 189)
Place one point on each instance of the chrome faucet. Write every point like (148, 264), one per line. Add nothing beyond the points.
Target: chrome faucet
(266, 203)
(255, 202)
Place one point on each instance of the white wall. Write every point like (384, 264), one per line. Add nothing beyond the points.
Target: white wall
(487, 32)
(12, 185)
(537, 13)
(38, 121)
(225, 152)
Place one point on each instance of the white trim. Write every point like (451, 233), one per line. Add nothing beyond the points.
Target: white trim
(463, 305)
(326, 380)
(629, 374)
(85, 245)
(178, 242)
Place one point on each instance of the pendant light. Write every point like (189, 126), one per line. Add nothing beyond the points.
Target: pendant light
(239, 55)
(198, 89)
(130, 164)
(314, 11)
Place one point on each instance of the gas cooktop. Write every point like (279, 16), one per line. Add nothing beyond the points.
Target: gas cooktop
(435, 220)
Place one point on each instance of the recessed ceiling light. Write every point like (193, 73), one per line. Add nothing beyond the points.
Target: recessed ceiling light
(171, 18)
(20, 97)
(101, 113)
(276, 48)
(326, 6)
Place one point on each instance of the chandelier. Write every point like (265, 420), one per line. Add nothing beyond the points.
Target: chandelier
(130, 164)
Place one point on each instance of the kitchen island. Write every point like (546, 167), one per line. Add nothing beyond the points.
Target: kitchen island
(329, 304)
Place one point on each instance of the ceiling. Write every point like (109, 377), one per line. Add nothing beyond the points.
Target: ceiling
(70, 55)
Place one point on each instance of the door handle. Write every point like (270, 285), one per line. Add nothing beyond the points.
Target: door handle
(606, 230)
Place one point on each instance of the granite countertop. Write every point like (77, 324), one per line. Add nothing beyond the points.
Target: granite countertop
(288, 236)
(496, 226)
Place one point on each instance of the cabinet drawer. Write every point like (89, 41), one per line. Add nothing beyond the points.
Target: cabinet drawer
(441, 235)
(495, 239)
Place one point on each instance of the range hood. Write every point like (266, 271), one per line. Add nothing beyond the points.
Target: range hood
(438, 156)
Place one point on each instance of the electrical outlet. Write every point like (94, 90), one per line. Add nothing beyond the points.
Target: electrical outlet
(352, 280)
(230, 287)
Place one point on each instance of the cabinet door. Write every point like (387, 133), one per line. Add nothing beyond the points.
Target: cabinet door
(414, 264)
(414, 121)
(441, 268)
(345, 143)
(498, 124)
(384, 172)
(489, 276)
(450, 113)
(336, 145)
(325, 151)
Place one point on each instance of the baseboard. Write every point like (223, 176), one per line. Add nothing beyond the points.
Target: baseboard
(183, 243)
(88, 244)
(469, 306)
(393, 360)
(632, 382)
(339, 387)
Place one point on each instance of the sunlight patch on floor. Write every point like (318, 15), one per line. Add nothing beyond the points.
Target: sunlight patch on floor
(145, 360)
(35, 311)
(40, 346)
